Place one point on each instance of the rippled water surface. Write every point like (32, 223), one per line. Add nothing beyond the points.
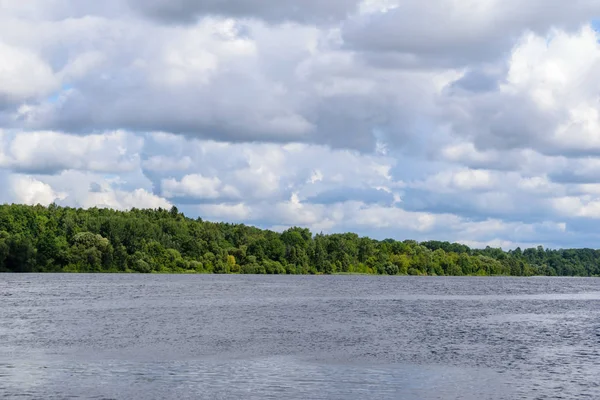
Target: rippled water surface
(306, 337)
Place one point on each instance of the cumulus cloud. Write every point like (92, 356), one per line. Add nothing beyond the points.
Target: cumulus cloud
(23, 75)
(28, 190)
(260, 172)
(51, 152)
(83, 189)
(124, 200)
(548, 100)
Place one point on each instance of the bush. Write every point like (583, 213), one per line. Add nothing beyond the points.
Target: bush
(141, 266)
(392, 269)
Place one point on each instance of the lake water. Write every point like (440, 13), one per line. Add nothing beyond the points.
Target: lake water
(298, 337)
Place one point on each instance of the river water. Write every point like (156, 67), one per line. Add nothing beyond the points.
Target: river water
(298, 337)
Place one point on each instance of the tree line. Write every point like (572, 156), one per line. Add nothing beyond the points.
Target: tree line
(63, 239)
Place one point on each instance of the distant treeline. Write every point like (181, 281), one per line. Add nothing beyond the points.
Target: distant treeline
(59, 239)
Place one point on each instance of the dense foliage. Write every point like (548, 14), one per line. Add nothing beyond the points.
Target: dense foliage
(57, 239)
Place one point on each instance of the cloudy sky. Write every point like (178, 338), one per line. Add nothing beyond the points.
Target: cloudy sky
(475, 121)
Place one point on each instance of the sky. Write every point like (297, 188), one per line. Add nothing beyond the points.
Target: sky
(472, 121)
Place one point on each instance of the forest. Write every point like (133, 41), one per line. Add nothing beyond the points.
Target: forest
(62, 239)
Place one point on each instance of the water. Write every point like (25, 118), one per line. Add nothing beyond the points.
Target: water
(298, 337)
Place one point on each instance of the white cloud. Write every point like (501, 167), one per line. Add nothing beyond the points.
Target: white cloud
(23, 75)
(582, 206)
(548, 101)
(197, 186)
(124, 200)
(260, 172)
(92, 189)
(28, 190)
(49, 152)
(462, 180)
(225, 212)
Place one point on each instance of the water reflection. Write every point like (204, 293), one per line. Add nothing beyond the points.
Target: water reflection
(274, 377)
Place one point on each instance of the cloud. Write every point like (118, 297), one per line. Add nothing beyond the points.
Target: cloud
(580, 206)
(446, 33)
(188, 11)
(52, 152)
(123, 200)
(23, 75)
(466, 121)
(383, 221)
(28, 190)
(165, 163)
(257, 172)
(198, 187)
(464, 180)
(366, 195)
(195, 81)
(225, 212)
(548, 100)
(78, 189)
(578, 170)
(56, 10)
(217, 79)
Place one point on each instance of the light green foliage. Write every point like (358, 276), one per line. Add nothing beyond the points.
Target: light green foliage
(90, 252)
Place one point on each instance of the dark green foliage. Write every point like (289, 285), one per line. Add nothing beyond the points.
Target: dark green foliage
(57, 239)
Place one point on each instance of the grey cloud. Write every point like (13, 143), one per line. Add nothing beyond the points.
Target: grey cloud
(578, 170)
(306, 11)
(503, 203)
(229, 109)
(525, 160)
(546, 100)
(250, 92)
(210, 81)
(95, 187)
(573, 176)
(447, 33)
(501, 121)
(476, 81)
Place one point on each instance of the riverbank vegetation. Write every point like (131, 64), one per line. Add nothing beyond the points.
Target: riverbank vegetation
(59, 239)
